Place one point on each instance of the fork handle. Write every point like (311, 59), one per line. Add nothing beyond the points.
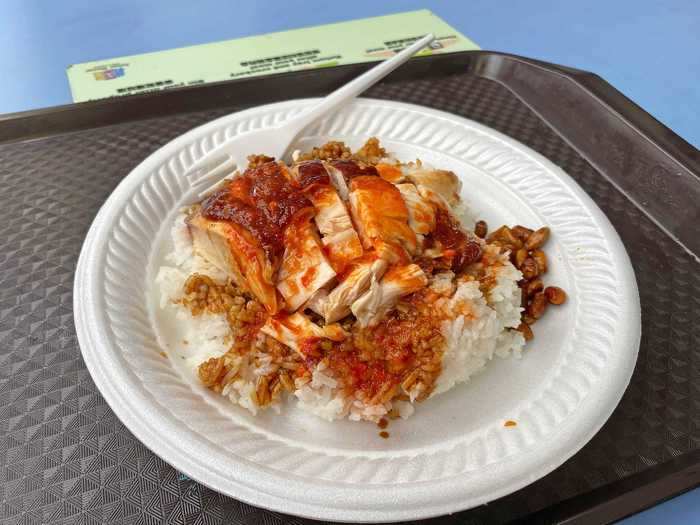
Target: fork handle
(354, 88)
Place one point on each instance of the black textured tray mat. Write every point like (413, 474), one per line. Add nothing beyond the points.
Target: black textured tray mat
(66, 458)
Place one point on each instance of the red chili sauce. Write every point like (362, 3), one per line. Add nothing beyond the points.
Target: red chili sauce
(262, 201)
(351, 169)
(368, 377)
(248, 332)
(455, 242)
(309, 276)
(312, 172)
(393, 341)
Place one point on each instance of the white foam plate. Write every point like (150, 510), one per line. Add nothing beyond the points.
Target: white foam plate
(455, 452)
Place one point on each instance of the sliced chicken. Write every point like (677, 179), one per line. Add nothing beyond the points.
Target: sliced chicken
(309, 173)
(355, 256)
(343, 171)
(383, 295)
(339, 182)
(241, 226)
(342, 248)
(332, 216)
(304, 268)
(436, 185)
(421, 213)
(380, 214)
(235, 251)
(336, 304)
(339, 237)
(391, 173)
(296, 329)
(317, 302)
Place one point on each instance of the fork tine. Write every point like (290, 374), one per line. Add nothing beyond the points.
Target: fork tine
(206, 164)
(216, 173)
(211, 189)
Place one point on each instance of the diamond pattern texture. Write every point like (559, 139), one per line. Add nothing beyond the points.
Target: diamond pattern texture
(66, 458)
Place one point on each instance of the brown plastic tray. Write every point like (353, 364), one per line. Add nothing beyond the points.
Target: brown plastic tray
(66, 458)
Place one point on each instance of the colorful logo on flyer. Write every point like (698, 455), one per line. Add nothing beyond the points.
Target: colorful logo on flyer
(109, 74)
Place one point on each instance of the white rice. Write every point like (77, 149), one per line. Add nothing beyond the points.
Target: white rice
(472, 340)
(476, 331)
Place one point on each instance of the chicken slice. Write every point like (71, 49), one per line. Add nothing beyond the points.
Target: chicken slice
(310, 172)
(342, 171)
(438, 185)
(317, 301)
(235, 251)
(383, 295)
(338, 235)
(296, 329)
(338, 181)
(380, 214)
(304, 268)
(340, 239)
(391, 173)
(247, 216)
(421, 213)
(331, 215)
(336, 304)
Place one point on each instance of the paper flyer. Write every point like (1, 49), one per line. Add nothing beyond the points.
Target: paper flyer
(311, 47)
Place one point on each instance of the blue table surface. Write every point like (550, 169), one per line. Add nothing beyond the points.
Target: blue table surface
(649, 50)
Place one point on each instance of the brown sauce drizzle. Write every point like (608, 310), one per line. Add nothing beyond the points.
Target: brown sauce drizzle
(463, 251)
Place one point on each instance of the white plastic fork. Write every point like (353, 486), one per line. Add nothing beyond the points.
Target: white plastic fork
(274, 141)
